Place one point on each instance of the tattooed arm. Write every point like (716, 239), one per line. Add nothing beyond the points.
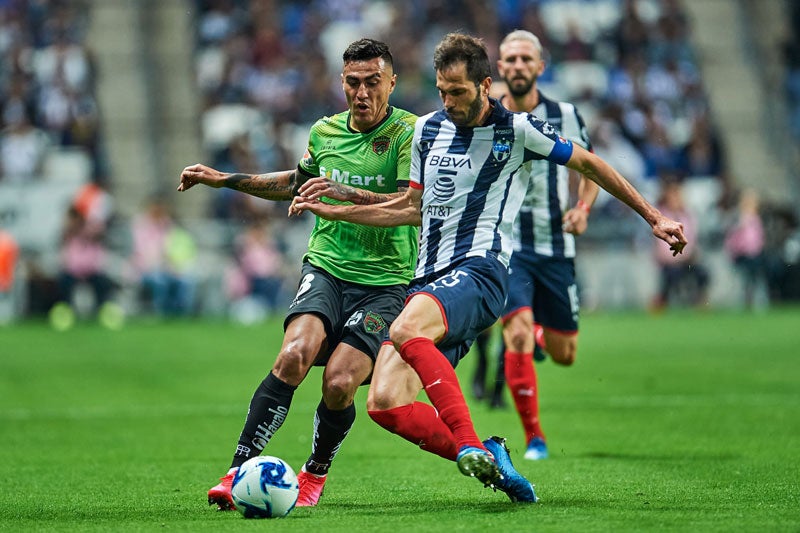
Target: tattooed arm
(316, 188)
(400, 211)
(281, 185)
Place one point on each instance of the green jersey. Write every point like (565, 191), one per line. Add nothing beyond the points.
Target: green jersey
(377, 160)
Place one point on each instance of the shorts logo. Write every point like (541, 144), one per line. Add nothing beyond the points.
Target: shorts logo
(381, 144)
(355, 318)
(374, 322)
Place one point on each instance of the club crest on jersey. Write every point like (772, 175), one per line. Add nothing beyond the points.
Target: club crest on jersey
(501, 149)
(374, 322)
(380, 144)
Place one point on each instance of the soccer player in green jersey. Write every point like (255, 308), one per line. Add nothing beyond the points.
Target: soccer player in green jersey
(354, 277)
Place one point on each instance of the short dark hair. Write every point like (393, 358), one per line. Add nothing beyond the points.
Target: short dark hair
(460, 48)
(366, 49)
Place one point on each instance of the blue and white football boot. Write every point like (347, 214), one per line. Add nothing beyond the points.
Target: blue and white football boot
(514, 484)
(537, 449)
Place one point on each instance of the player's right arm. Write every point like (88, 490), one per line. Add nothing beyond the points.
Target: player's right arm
(281, 185)
(316, 188)
(399, 211)
(599, 171)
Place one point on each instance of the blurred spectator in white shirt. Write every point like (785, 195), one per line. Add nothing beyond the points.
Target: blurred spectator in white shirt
(22, 146)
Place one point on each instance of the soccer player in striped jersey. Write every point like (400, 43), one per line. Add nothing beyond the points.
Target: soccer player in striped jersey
(466, 190)
(542, 268)
(354, 278)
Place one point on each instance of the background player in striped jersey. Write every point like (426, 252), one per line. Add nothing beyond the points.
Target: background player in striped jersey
(542, 268)
(354, 278)
(465, 194)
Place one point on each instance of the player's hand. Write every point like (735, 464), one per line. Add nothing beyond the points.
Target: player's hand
(198, 173)
(671, 232)
(575, 221)
(316, 188)
(301, 204)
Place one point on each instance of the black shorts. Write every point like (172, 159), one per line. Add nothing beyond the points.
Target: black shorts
(357, 315)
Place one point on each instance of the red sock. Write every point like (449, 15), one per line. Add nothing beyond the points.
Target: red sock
(441, 384)
(419, 424)
(521, 380)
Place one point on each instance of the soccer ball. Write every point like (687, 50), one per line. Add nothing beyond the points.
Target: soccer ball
(265, 487)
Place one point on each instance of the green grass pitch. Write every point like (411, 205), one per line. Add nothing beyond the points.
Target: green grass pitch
(678, 422)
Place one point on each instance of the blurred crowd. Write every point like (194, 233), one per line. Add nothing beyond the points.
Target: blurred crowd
(265, 66)
(267, 69)
(47, 88)
(791, 56)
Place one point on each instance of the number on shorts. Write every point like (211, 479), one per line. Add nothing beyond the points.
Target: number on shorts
(305, 285)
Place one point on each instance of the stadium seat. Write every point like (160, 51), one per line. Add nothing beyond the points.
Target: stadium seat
(592, 16)
(68, 166)
(578, 77)
(702, 193)
(223, 123)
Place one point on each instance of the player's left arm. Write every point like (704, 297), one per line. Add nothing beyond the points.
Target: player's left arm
(576, 219)
(599, 171)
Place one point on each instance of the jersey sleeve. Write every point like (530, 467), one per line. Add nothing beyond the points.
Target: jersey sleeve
(308, 164)
(415, 177)
(404, 161)
(542, 141)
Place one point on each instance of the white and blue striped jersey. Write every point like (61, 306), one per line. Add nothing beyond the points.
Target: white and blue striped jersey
(538, 229)
(471, 186)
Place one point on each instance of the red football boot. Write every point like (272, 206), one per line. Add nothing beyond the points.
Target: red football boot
(310, 488)
(220, 494)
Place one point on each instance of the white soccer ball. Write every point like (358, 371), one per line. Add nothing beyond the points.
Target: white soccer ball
(265, 487)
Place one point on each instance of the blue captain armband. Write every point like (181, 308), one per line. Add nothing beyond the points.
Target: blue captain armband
(561, 152)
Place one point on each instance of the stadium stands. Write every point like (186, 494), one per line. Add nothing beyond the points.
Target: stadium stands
(265, 69)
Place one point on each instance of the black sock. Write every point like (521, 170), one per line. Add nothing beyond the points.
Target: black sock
(330, 429)
(268, 410)
(500, 377)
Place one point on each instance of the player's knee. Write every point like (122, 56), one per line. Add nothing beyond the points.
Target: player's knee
(385, 394)
(379, 401)
(338, 391)
(292, 364)
(565, 353)
(517, 338)
(400, 332)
